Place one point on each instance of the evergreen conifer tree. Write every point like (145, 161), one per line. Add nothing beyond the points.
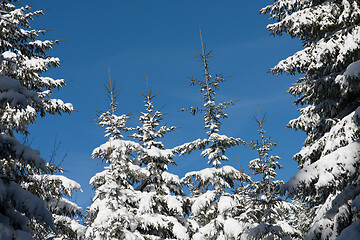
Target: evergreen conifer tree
(328, 91)
(212, 204)
(111, 215)
(32, 203)
(135, 197)
(266, 210)
(160, 199)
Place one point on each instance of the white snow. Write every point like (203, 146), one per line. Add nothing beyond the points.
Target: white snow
(155, 152)
(225, 203)
(353, 70)
(12, 92)
(173, 203)
(62, 205)
(202, 201)
(326, 170)
(65, 182)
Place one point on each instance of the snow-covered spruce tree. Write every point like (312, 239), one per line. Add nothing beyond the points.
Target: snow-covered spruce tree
(32, 203)
(328, 92)
(160, 200)
(266, 210)
(111, 215)
(212, 204)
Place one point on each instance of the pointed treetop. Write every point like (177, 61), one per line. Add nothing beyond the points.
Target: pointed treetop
(265, 164)
(268, 142)
(215, 145)
(112, 93)
(209, 86)
(148, 97)
(207, 76)
(147, 84)
(258, 119)
(113, 124)
(147, 133)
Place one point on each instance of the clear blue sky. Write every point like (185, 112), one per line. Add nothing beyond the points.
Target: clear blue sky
(158, 37)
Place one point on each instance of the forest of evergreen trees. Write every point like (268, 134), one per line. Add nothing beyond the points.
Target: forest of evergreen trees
(137, 198)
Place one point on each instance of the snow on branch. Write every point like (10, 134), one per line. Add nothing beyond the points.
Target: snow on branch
(329, 172)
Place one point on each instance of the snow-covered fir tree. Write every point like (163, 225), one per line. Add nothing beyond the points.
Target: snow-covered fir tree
(160, 200)
(266, 210)
(32, 203)
(212, 204)
(112, 212)
(328, 91)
